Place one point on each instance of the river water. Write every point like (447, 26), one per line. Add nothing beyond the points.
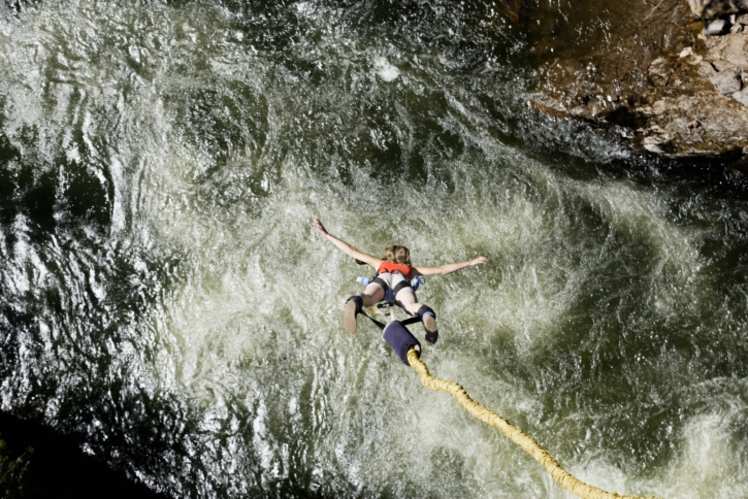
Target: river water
(162, 293)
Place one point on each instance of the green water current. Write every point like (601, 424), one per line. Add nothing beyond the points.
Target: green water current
(164, 299)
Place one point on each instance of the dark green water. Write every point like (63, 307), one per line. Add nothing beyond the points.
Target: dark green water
(163, 297)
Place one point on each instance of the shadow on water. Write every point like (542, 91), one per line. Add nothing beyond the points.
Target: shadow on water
(70, 310)
(36, 462)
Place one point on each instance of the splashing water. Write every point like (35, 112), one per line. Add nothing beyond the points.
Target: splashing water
(164, 296)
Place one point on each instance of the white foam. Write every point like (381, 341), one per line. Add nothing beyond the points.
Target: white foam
(385, 70)
(708, 464)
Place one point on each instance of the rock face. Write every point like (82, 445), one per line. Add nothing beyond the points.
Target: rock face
(670, 83)
(708, 9)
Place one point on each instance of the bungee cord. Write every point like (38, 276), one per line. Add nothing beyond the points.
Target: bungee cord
(563, 478)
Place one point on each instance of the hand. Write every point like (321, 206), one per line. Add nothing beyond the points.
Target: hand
(316, 224)
(478, 260)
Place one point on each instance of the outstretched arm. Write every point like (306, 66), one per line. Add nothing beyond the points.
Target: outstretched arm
(451, 267)
(345, 247)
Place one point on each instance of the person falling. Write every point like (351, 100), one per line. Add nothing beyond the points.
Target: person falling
(393, 272)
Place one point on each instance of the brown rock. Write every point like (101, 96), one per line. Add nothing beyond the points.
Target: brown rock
(698, 6)
(741, 96)
(690, 56)
(714, 134)
(716, 27)
(736, 50)
(669, 89)
(658, 71)
(726, 82)
(709, 9)
(707, 70)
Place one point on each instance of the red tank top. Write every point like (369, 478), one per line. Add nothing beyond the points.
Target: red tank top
(403, 268)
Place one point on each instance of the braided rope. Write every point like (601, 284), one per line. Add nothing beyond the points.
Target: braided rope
(562, 477)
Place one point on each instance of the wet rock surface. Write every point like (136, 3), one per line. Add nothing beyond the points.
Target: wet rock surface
(671, 76)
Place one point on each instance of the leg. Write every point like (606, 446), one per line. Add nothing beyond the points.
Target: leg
(407, 298)
(371, 295)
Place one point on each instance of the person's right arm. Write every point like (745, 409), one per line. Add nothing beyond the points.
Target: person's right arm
(345, 247)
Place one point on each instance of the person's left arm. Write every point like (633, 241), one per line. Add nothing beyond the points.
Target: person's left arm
(451, 267)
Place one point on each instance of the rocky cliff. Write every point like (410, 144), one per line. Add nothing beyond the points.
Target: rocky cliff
(670, 75)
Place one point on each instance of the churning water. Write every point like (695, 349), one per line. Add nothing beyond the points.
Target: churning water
(162, 292)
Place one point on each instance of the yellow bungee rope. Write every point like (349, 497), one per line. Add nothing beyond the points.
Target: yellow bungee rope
(562, 477)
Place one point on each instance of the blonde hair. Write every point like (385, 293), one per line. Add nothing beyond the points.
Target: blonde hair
(391, 254)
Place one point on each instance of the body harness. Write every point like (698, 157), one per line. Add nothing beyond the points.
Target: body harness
(411, 280)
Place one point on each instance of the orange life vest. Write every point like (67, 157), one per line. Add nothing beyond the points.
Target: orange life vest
(403, 268)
